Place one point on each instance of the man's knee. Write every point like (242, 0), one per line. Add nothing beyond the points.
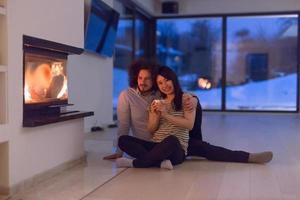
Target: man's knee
(198, 147)
(122, 141)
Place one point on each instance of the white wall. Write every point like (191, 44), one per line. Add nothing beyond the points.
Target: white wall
(35, 150)
(148, 5)
(90, 81)
(189, 7)
(90, 86)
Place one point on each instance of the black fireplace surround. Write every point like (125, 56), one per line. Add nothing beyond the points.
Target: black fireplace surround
(44, 101)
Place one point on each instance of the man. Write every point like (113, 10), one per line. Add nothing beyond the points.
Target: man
(133, 103)
(132, 114)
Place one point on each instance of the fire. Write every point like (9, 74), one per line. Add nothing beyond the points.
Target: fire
(27, 94)
(64, 89)
(56, 68)
(45, 82)
(37, 81)
(204, 83)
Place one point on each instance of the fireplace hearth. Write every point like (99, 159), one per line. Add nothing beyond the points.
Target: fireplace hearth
(45, 82)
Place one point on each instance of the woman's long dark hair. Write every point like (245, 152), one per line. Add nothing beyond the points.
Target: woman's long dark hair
(169, 74)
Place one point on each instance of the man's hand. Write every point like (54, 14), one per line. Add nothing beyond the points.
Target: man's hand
(113, 156)
(189, 102)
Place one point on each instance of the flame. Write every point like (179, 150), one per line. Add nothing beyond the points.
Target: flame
(45, 82)
(27, 94)
(64, 89)
(204, 83)
(56, 68)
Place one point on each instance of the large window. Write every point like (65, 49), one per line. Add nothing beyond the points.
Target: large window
(131, 43)
(123, 52)
(231, 62)
(192, 47)
(260, 54)
(140, 36)
(262, 63)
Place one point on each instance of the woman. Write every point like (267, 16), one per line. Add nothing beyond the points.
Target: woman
(169, 123)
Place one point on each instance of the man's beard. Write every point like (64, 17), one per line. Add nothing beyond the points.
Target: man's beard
(142, 91)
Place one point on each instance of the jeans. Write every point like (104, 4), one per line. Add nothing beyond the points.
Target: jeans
(151, 154)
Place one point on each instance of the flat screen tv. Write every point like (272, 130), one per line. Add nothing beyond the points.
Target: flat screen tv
(100, 27)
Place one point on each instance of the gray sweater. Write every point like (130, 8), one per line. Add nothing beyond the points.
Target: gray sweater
(132, 113)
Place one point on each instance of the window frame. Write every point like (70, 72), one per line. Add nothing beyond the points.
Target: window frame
(224, 17)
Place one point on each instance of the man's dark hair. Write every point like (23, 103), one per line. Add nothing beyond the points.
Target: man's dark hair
(169, 74)
(137, 66)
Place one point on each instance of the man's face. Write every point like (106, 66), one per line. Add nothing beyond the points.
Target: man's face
(144, 81)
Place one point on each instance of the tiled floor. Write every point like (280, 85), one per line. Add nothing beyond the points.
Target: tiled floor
(194, 179)
(79, 181)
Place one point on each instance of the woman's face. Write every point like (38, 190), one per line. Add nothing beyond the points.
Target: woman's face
(165, 86)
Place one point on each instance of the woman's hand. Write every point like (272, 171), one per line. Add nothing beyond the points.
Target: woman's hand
(154, 116)
(154, 108)
(160, 106)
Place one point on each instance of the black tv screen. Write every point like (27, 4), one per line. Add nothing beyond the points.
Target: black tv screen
(101, 28)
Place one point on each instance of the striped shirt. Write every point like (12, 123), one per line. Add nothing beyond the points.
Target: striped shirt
(166, 128)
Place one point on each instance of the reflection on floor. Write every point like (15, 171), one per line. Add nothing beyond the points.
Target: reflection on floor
(195, 179)
(3, 197)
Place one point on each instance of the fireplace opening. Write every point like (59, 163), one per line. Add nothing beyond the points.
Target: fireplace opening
(45, 79)
(45, 82)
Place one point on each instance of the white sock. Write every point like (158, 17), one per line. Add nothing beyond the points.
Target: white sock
(166, 164)
(261, 157)
(124, 162)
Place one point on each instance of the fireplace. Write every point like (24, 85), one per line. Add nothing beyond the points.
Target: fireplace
(45, 81)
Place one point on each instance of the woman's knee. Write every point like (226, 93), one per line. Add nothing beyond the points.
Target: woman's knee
(172, 140)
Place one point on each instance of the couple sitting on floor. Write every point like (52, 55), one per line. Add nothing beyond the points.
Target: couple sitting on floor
(165, 123)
